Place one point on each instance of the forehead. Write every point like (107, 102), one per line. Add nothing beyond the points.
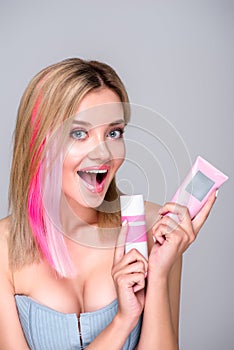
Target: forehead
(100, 107)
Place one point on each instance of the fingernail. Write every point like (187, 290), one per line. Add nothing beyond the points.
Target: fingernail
(146, 274)
(160, 211)
(216, 193)
(154, 239)
(124, 223)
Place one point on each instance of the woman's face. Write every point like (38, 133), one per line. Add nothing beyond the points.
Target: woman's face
(96, 149)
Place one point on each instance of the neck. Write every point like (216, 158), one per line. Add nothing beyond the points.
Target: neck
(75, 215)
(80, 225)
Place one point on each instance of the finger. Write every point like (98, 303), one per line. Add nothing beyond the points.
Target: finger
(139, 282)
(161, 234)
(135, 280)
(136, 267)
(168, 227)
(130, 258)
(168, 221)
(120, 243)
(203, 214)
(176, 209)
(128, 281)
(159, 230)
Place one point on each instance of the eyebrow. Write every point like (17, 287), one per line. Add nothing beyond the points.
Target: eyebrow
(81, 122)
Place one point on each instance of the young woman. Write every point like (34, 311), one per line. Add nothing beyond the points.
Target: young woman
(65, 280)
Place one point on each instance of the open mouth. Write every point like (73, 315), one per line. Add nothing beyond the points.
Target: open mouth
(93, 178)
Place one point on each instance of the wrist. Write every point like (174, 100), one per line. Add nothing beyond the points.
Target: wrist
(124, 322)
(155, 273)
(158, 278)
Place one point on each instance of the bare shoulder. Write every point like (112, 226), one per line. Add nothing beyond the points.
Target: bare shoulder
(4, 227)
(151, 213)
(4, 231)
(9, 320)
(4, 234)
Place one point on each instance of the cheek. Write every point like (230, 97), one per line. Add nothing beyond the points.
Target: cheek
(118, 163)
(74, 156)
(71, 161)
(117, 150)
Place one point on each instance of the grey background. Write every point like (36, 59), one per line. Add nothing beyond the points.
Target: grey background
(176, 58)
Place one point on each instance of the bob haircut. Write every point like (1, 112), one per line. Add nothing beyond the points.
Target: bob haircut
(51, 97)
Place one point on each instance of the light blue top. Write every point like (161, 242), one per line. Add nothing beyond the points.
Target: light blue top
(48, 329)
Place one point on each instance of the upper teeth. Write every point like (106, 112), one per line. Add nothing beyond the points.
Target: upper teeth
(96, 171)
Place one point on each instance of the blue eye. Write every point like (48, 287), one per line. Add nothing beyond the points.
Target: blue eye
(116, 133)
(78, 134)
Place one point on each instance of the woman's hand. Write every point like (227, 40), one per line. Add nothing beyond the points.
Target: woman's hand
(129, 273)
(172, 238)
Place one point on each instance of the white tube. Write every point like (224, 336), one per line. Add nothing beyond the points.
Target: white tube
(133, 210)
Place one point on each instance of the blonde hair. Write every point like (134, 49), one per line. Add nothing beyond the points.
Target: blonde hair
(51, 97)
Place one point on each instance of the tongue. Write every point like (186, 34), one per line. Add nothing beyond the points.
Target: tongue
(87, 177)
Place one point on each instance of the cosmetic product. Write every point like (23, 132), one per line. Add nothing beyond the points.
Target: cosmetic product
(201, 180)
(132, 210)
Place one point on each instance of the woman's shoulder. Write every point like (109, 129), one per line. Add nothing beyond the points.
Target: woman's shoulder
(151, 213)
(152, 207)
(4, 235)
(4, 228)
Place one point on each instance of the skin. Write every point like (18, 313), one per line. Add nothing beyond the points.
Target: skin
(123, 276)
(95, 140)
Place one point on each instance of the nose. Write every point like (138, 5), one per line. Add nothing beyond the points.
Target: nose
(100, 151)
